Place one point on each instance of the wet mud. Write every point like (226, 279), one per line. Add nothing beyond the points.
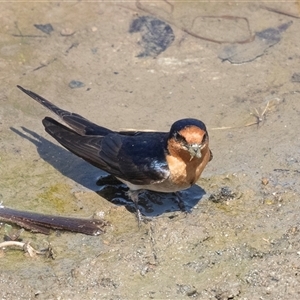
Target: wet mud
(241, 236)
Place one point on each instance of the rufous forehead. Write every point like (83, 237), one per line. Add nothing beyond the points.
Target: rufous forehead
(193, 134)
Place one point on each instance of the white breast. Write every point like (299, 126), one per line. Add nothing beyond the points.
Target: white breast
(165, 186)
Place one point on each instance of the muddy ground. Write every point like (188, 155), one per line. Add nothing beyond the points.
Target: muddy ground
(211, 61)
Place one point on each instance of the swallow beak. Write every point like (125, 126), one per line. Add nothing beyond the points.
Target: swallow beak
(195, 150)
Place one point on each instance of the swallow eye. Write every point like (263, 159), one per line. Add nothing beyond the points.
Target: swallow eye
(179, 138)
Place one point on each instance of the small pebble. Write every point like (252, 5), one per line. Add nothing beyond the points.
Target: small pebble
(67, 32)
(296, 77)
(265, 181)
(268, 201)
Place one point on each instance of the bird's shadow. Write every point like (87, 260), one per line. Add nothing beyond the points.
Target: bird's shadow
(150, 203)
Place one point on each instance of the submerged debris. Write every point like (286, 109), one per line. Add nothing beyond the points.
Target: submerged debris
(260, 114)
(243, 53)
(157, 35)
(46, 28)
(74, 84)
(221, 29)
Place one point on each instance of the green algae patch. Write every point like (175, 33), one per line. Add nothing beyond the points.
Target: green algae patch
(58, 197)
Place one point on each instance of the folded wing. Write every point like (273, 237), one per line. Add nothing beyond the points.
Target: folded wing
(137, 159)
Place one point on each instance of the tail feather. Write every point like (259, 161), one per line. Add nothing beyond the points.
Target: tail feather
(80, 124)
(86, 147)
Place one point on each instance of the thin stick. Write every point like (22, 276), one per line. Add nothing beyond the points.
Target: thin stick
(43, 223)
(259, 118)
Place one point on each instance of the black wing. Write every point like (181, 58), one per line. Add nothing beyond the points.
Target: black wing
(137, 159)
(80, 124)
(140, 158)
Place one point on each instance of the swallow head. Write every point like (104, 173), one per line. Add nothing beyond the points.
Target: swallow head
(188, 138)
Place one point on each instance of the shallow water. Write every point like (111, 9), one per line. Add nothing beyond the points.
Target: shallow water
(242, 248)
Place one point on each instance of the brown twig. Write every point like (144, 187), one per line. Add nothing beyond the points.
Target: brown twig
(44, 65)
(249, 39)
(285, 13)
(44, 223)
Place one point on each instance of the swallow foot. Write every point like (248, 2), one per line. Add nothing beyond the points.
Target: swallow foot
(134, 197)
(180, 202)
(141, 218)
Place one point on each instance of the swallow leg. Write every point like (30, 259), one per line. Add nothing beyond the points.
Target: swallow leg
(180, 202)
(134, 197)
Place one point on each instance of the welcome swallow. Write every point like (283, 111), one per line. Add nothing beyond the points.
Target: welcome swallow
(156, 161)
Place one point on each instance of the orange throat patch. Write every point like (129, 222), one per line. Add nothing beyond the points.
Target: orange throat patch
(185, 171)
